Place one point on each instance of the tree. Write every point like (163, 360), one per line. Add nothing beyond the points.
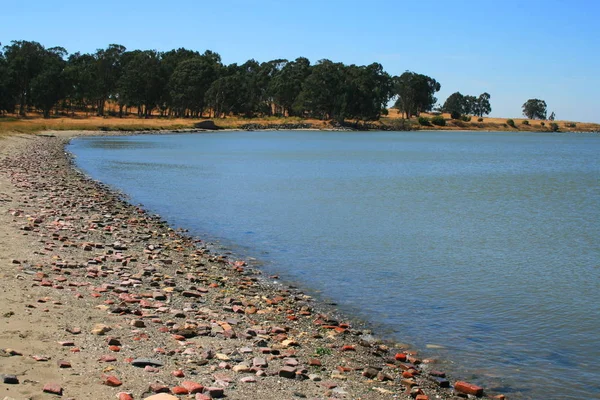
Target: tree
(322, 92)
(81, 80)
(8, 96)
(141, 84)
(48, 87)
(415, 93)
(286, 84)
(552, 116)
(24, 60)
(483, 106)
(534, 109)
(367, 91)
(108, 63)
(189, 83)
(455, 104)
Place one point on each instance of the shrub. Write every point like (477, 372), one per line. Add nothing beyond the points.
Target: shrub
(424, 121)
(543, 123)
(570, 124)
(510, 122)
(466, 118)
(525, 122)
(554, 127)
(455, 115)
(438, 120)
(480, 119)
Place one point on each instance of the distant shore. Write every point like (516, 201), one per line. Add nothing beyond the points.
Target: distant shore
(392, 122)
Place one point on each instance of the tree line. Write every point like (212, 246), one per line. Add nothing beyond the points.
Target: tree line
(187, 83)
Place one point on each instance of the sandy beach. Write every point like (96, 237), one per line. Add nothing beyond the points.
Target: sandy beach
(99, 300)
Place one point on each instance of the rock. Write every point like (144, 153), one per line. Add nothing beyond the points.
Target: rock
(53, 388)
(178, 373)
(314, 377)
(370, 373)
(215, 392)
(178, 390)
(248, 379)
(124, 396)
(112, 381)
(63, 364)
(192, 387)
(142, 362)
(158, 388)
(10, 379)
(468, 388)
(259, 362)
(138, 323)
(287, 372)
(100, 329)
(161, 396)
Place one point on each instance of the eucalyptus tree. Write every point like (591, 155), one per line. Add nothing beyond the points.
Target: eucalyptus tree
(367, 91)
(49, 86)
(322, 94)
(140, 84)
(535, 108)
(189, 83)
(24, 63)
(7, 90)
(108, 73)
(415, 93)
(81, 79)
(286, 85)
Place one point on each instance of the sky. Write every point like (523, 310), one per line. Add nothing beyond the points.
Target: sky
(514, 50)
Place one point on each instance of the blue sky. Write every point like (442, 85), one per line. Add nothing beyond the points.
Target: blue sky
(514, 50)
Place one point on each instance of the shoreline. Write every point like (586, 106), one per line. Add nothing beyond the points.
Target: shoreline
(75, 255)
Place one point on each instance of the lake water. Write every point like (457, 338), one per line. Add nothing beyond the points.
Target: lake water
(478, 248)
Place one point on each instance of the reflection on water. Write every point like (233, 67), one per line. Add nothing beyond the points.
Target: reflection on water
(484, 244)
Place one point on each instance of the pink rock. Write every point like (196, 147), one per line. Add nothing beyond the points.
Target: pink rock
(468, 388)
(112, 381)
(53, 388)
(192, 387)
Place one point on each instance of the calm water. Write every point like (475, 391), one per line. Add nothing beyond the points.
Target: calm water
(484, 244)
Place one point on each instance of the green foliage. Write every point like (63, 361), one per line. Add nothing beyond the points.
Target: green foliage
(534, 109)
(466, 118)
(323, 351)
(552, 116)
(510, 122)
(458, 103)
(525, 122)
(455, 114)
(543, 123)
(415, 93)
(554, 127)
(480, 119)
(424, 121)
(438, 120)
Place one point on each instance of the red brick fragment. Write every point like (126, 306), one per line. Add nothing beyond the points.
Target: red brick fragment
(468, 388)
(53, 388)
(112, 381)
(192, 386)
(178, 390)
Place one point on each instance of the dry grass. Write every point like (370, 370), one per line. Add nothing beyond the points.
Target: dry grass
(36, 124)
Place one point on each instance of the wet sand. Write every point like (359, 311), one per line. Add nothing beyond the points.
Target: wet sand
(101, 300)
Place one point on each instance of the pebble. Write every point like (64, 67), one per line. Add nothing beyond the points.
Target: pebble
(142, 362)
(53, 388)
(10, 379)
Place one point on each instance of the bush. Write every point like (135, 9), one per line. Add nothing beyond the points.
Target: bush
(554, 127)
(455, 115)
(466, 118)
(525, 122)
(424, 121)
(510, 122)
(543, 123)
(438, 120)
(480, 119)
(570, 124)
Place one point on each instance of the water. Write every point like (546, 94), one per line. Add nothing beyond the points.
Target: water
(482, 249)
